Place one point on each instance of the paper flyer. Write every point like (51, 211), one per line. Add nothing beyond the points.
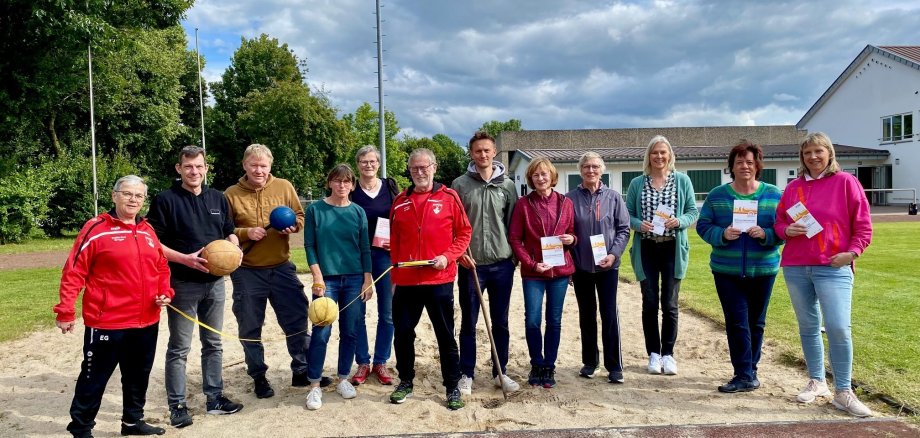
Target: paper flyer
(744, 214)
(381, 233)
(662, 213)
(553, 254)
(800, 215)
(598, 247)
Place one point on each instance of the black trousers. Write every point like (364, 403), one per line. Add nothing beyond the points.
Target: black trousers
(408, 303)
(593, 289)
(132, 350)
(658, 263)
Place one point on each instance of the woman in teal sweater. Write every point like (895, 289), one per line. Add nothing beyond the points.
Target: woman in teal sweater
(339, 255)
(744, 261)
(659, 256)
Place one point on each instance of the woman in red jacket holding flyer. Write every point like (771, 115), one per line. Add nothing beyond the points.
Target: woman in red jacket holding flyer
(824, 216)
(541, 235)
(119, 265)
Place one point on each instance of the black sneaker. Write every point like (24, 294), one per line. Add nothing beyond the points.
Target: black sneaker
(615, 377)
(263, 389)
(325, 381)
(179, 416)
(141, 428)
(549, 377)
(300, 380)
(223, 406)
(588, 371)
(737, 384)
(535, 378)
(454, 401)
(401, 393)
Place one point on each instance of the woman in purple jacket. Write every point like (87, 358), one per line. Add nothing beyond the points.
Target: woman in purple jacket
(543, 213)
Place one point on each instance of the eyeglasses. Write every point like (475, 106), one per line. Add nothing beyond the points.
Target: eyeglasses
(421, 169)
(367, 162)
(343, 182)
(128, 195)
(591, 167)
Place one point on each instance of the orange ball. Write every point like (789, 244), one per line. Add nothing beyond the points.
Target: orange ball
(223, 257)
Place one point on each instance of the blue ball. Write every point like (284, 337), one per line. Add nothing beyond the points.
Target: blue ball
(282, 217)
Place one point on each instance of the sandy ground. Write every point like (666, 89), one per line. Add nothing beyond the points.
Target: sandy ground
(38, 373)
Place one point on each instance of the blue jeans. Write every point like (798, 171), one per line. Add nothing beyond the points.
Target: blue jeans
(253, 289)
(205, 301)
(496, 278)
(383, 343)
(817, 290)
(744, 304)
(342, 289)
(544, 349)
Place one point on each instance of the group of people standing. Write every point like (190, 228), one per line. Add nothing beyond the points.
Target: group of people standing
(478, 230)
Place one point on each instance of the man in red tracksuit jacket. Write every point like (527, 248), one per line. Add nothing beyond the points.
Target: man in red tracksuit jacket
(119, 264)
(427, 222)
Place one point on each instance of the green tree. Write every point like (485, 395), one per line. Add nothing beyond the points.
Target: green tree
(364, 129)
(452, 159)
(494, 127)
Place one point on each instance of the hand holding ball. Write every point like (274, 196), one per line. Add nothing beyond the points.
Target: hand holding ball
(323, 311)
(281, 218)
(223, 257)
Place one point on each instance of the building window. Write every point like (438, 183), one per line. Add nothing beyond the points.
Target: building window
(897, 127)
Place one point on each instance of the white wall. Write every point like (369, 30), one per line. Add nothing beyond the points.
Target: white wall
(852, 115)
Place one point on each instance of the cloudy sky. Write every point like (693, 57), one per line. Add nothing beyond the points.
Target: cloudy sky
(565, 64)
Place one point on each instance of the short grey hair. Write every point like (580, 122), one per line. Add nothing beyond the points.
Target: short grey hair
(423, 151)
(591, 155)
(366, 150)
(646, 165)
(129, 180)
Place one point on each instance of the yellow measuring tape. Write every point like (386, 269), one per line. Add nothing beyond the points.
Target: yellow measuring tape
(227, 335)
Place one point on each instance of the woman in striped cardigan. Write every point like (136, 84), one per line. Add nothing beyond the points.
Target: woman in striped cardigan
(744, 261)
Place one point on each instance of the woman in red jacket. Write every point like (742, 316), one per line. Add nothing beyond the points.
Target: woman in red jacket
(118, 263)
(542, 233)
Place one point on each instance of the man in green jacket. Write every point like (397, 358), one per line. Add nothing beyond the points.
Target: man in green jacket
(488, 197)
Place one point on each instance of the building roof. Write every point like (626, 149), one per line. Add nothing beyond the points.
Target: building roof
(907, 55)
(696, 153)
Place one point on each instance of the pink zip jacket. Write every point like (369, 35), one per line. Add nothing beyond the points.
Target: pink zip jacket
(839, 204)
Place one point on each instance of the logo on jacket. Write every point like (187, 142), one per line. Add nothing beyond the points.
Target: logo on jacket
(436, 208)
(215, 211)
(149, 241)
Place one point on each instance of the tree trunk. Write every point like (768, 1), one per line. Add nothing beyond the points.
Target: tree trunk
(55, 143)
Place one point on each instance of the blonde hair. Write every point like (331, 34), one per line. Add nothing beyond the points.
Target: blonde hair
(819, 139)
(258, 151)
(647, 165)
(535, 165)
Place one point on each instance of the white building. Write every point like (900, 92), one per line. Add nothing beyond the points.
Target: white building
(873, 104)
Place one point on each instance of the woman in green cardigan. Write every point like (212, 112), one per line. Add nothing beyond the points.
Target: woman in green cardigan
(660, 249)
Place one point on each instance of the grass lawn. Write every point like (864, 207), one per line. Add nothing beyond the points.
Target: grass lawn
(886, 308)
(40, 245)
(28, 296)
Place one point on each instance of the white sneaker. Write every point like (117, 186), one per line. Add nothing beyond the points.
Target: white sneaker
(346, 389)
(814, 388)
(846, 401)
(654, 363)
(505, 382)
(668, 365)
(465, 385)
(315, 399)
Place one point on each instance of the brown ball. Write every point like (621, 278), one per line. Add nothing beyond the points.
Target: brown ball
(223, 257)
(323, 311)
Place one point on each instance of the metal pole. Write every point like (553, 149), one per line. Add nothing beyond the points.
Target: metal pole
(92, 129)
(200, 99)
(380, 110)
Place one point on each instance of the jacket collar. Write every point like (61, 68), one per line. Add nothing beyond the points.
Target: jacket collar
(498, 172)
(435, 187)
(245, 184)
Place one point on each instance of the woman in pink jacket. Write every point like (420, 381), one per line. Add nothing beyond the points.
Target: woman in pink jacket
(543, 213)
(818, 264)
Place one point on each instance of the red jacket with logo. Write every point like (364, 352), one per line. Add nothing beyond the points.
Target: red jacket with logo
(121, 268)
(440, 227)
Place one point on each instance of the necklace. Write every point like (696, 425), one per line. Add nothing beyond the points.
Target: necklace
(372, 186)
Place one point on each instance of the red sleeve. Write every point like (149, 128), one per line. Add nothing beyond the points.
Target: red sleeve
(516, 235)
(75, 272)
(163, 273)
(463, 232)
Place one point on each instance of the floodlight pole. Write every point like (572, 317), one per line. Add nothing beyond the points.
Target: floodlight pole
(92, 129)
(380, 110)
(201, 100)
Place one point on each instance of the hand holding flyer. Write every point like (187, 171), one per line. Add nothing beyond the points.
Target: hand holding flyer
(381, 233)
(744, 214)
(598, 248)
(553, 254)
(662, 214)
(800, 215)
